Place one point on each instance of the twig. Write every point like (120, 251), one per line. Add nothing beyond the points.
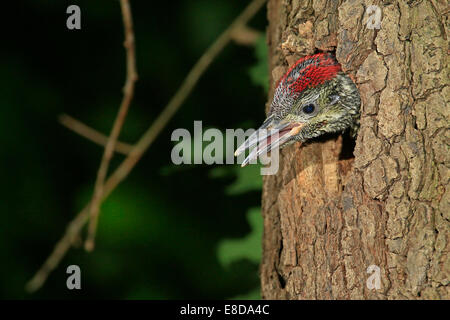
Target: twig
(246, 36)
(61, 248)
(128, 92)
(91, 134)
(144, 142)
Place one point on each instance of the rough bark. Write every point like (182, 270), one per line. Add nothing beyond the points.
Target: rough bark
(327, 216)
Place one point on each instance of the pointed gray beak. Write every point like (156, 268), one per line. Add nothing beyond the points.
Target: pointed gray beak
(271, 135)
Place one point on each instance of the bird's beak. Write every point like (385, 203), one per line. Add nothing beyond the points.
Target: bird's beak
(271, 135)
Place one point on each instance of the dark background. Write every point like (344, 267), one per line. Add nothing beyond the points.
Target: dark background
(167, 232)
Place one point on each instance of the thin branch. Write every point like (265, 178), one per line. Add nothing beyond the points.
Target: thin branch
(245, 35)
(143, 144)
(91, 134)
(128, 92)
(61, 248)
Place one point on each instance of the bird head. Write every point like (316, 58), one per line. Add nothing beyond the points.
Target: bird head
(312, 98)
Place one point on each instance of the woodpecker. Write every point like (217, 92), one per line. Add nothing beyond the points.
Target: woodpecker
(312, 98)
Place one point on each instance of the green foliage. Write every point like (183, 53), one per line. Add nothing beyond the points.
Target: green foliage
(247, 178)
(230, 251)
(259, 73)
(252, 295)
(249, 247)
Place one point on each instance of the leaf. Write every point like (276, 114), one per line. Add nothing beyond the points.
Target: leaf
(249, 247)
(252, 295)
(259, 73)
(248, 179)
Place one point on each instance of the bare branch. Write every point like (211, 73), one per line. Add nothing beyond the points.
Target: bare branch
(144, 143)
(246, 36)
(128, 92)
(61, 248)
(91, 134)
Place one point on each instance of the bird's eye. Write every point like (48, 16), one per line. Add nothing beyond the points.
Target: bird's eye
(309, 108)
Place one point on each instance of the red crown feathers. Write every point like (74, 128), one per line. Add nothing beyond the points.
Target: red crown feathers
(310, 71)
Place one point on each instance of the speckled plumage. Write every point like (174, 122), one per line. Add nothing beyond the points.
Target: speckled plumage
(312, 98)
(329, 84)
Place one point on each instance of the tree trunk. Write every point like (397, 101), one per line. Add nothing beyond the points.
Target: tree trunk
(331, 211)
